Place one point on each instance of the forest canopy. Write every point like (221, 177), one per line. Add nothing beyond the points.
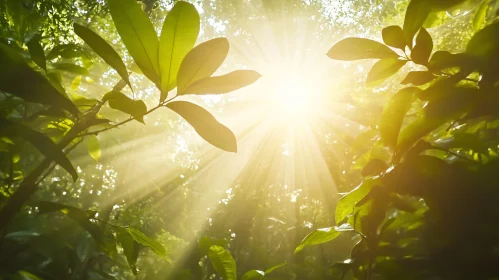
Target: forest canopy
(259, 139)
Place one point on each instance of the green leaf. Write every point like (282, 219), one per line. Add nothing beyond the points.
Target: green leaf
(119, 101)
(36, 51)
(418, 78)
(485, 43)
(415, 16)
(424, 45)
(374, 168)
(103, 49)
(93, 147)
(274, 268)
(223, 84)
(223, 262)
(347, 203)
(24, 275)
(82, 217)
(201, 62)
(318, 236)
(383, 69)
(360, 48)
(138, 35)
(178, 36)
(205, 125)
(394, 113)
(34, 88)
(393, 36)
(68, 67)
(253, 274)
(130, 247)
(480, 15)
(48, 148)
(415, 130)
(66, 51)
(148, 242)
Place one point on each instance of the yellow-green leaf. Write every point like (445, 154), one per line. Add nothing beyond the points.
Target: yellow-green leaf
(223, 84)
(93, 147)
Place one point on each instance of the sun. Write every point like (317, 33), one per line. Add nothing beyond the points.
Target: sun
(291, 94)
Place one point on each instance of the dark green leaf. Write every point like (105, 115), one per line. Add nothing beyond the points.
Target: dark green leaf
(34, 87)
(119, 101)
(148, 242)
(223, 84)
(36, 51)
(68, 67)
(48, 148)
(424, 45)
(485, 43)
(480, 15)
(205, 125)
(418, 78)
(66, 51)
(374, 168)
(415, 16)
(394, 113)
(201, 62)
(316, 237)
(82, 217)
(103, 49)
(178, 36)
(343, 268)
(223, 262)
(93, 147)
(130, 247)
(138, 35)
(393, 36)
(383, 69)
(360, 48)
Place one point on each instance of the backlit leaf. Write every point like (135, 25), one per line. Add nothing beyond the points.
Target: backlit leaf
(119, 101)
(422, 50)
(347, 203)
(360, 48)
(480, 15)
(393, 36)
(178, 36)
(93, 147)
(223, 262)
(205, 125)
(201, 62)
(318, 236)
(415, 16)
(418, 78)
(253, 274)
(383, 69)
(148, 242)
(72, 68)
(223, 84)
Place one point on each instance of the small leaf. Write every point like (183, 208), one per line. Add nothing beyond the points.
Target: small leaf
(424, 45)
(418, 78)
(34, 87)
(148, 242)
(415, 16)
(178, 36)
(36, 51)
(93, 147)
(347, 202)
(68, 67)
(318, 236)
(394, 113)
(480, 15)
(103, 49)
(223, 84)
(223, 262)
(48, 148)
(201, 62)
(205, 125)
(137, 33)
(383, 69)
(253, 274)
(360, 48)
(119, 101)
(393, 36)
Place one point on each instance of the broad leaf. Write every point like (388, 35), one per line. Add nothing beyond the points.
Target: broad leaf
(360, 48)
(485, 43)
(422, 50)
(253, 274)
(119, 101)
(138, 35)
(205, 125)
(201, 62)
(383, 69)
(223, 262)
(48, 148)
(103, 49)
(480, 15)
(72, 68)
(393, 36)
(141, 238)
(374, 168)
(36, 51)
(223, 84)
(347, 203)
(394, 113)
(130, 247)
(34, 87)
(415, 16)
(318, 236)
(93, 147)
(418, 78)
(66, 51)
(178, 36)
